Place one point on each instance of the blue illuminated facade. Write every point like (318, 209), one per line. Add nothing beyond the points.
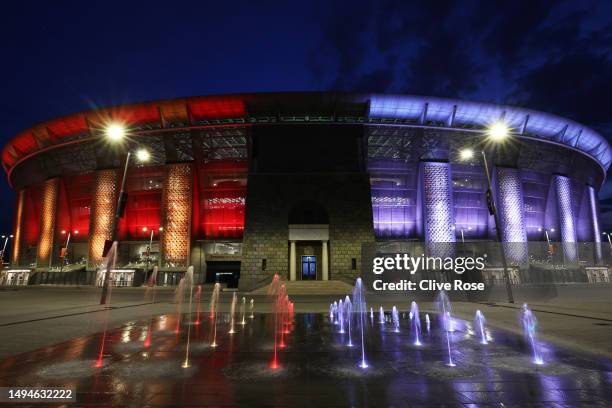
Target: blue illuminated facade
(546, 181)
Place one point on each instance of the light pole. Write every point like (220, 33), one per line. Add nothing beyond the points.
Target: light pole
(609, 240)
(64, 253)
(550, 248)
(462, 232)
(6, 239)
(150, 248)
(497, 133)
(117, 133)
(546, 232)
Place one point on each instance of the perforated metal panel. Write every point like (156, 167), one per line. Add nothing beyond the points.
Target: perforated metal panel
(594, 213)
(567, 227)
(176, 215)
(18, 227)
(48, 212)
(104, 201)
(438, 211)
(510, 208)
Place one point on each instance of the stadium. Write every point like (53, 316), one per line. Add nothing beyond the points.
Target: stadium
(245, 186)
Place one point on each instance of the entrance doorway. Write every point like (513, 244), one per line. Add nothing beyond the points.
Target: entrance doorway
(309, 267)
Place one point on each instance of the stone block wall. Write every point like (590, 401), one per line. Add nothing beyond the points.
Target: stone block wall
(270, 198)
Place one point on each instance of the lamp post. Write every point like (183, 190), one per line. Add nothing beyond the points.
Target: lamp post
(497, 132)
(462, 232)
(150, 248)
(546, 233)
(550, 248)
(116, 133)
(6, 239)
(65, 252)
(609, 240)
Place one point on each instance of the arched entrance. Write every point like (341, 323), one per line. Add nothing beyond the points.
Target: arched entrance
(308, 226)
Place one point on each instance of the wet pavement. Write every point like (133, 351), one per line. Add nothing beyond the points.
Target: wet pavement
(316, 367)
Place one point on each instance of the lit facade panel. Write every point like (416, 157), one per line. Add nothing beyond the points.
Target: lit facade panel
(535, 196)
(18, 235)
(394, 199)
(567, 226)
(222, 200)
(104, 202)
(33, 205)
(594, 218)
(144, 186)
(176, 213)
(438, 211)
(74, 212)
(511, 213)
(471, 213)
(50, 191)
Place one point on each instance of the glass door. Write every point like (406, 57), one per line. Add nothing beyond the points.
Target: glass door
(309, 267)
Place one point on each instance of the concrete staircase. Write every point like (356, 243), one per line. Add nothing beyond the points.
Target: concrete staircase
(332, 287)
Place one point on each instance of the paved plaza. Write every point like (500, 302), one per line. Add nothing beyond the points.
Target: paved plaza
(54, 336)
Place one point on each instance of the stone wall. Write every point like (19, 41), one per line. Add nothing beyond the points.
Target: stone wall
(270, 198)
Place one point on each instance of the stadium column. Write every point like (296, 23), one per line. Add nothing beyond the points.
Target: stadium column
(292, 260)
(176, 215)
(438, 209)
(324, 261)
(48, 212)
(567, 226)
(594, 218)
(103, 203)
(511, 214)
(19, 206)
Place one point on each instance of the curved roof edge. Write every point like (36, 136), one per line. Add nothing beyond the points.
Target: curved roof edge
(245, 108)
(524, 122)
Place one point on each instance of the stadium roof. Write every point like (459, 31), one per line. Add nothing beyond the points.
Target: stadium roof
(401, 110)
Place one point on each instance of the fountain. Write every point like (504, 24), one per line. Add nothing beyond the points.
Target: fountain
(349, 316)
(360, 308)
(179, 296)
(444, 308)
(233, 314)
(372, 315)
(331, 312)
(243, 311)
(428, 323)
(282, 306)
(415, 323)
(283, 316)
(335, 309)
(151, 286)
(341, 316)
(450, 321)
(381, 315)
(273, 291)
(252, 309)
(189, 277)
(479, 324)
(214, 302)
(395, 319)
(198, 296)
(530, 324)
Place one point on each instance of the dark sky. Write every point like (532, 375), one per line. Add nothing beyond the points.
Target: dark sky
(60, 57)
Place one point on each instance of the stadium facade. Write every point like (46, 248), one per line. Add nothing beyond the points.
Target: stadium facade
(245, 186)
